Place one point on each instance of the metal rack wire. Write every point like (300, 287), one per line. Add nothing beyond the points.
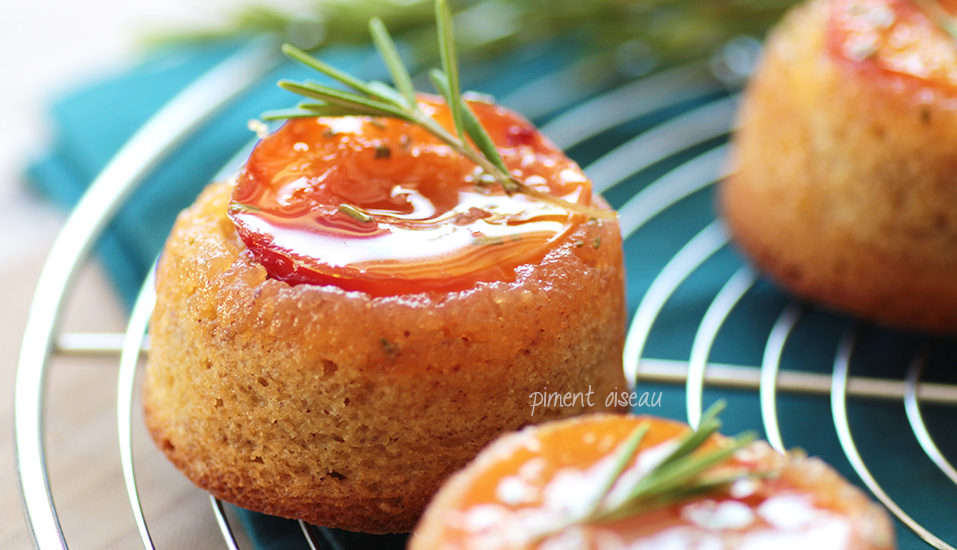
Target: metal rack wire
(695, 135)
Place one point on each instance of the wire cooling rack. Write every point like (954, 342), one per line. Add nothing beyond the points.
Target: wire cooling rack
(661, 173)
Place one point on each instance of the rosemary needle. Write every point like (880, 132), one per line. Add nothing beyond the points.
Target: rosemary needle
(678, 472)
(354, 213)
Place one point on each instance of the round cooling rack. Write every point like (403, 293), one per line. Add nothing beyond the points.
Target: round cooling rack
(881, 406)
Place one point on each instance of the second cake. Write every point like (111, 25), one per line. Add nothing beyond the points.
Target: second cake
(845, 163)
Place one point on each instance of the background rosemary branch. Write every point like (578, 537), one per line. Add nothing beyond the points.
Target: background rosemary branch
(673, 30)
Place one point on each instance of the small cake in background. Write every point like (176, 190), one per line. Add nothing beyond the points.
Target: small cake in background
(567, 484)
(844, 185)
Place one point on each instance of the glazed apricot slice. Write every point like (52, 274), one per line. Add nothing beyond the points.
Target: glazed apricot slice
(381, 206)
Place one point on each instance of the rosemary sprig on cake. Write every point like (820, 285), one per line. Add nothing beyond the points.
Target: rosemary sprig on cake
(681, 474)
(378, 99)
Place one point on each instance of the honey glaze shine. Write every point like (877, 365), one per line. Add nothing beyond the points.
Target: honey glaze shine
(382, 206)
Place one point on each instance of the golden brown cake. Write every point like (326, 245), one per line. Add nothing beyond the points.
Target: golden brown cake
(344, 394)
(844, 185)
(528, 490)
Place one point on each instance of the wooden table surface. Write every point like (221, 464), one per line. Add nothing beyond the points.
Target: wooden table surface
(48, 46)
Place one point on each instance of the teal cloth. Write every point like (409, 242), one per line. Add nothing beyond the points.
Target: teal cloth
(93, 122)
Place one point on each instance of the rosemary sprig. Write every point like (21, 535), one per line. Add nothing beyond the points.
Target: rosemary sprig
(377, 99)
(677, 476)
(681, 474)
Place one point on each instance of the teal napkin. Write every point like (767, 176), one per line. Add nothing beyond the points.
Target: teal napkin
(92, 122)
